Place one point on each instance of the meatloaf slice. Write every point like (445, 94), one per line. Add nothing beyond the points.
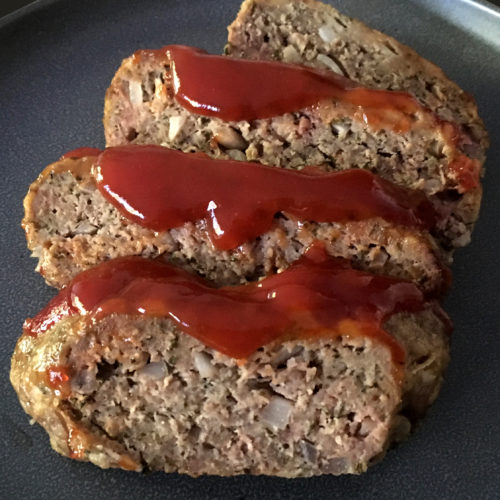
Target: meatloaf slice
(70, 227)
(134, 392)
(432, 155)
(314, 33)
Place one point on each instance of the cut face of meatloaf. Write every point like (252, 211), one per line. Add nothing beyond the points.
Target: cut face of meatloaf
(70, 227)
(430, 155)
(313, 33)
(133, 391)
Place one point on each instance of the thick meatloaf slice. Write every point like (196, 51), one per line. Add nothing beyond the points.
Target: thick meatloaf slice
(70, 227)
(140, 108)
(134, 392)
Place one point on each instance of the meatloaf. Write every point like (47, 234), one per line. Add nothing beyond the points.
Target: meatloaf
(70, 227)
(441, 152)
(314, 33)
(135, 392)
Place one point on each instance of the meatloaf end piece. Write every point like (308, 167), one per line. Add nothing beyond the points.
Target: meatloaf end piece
(70, 227)
(134, 392)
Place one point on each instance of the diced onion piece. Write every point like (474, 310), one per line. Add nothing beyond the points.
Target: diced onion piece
(175, 124)
(367, 426)
(159, 88)
(85, 227)
(309, 451)
(230, 138)
(277, 412)
(236, 154)
(154, 371)
(281, 357)
(284, 355)
(135, 92)
(330, 63)
(326, 33)
(83, 381)
(340, 129)
(339, 465)
(203, 365)
(290, 55)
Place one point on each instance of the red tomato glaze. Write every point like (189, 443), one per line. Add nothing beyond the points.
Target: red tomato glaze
(467, 172)
(161, 188)
(238, 89)
(316, 296)
(58, 379)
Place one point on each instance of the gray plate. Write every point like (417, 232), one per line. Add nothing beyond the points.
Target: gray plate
(56, 60)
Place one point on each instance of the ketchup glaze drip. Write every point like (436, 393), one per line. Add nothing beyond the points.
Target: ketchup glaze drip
(238, 89)
(316, 296)
(161, 189)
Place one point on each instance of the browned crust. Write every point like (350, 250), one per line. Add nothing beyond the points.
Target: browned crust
(67, 436)
(80, 168)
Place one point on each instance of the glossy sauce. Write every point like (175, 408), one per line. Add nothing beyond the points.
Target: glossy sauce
(161, 188)
(81, 153)
(467, 172)
(238, 89)
(316, 296)
(58, 379)
(78, 443)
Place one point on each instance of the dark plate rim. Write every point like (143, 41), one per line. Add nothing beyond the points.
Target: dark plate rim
(484, 5)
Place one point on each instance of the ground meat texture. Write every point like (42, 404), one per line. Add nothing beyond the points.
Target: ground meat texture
(313, 33)
(70, 227)
(142, 395)
(139, 109)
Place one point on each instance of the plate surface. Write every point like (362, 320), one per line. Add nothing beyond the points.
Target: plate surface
(56, 60)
